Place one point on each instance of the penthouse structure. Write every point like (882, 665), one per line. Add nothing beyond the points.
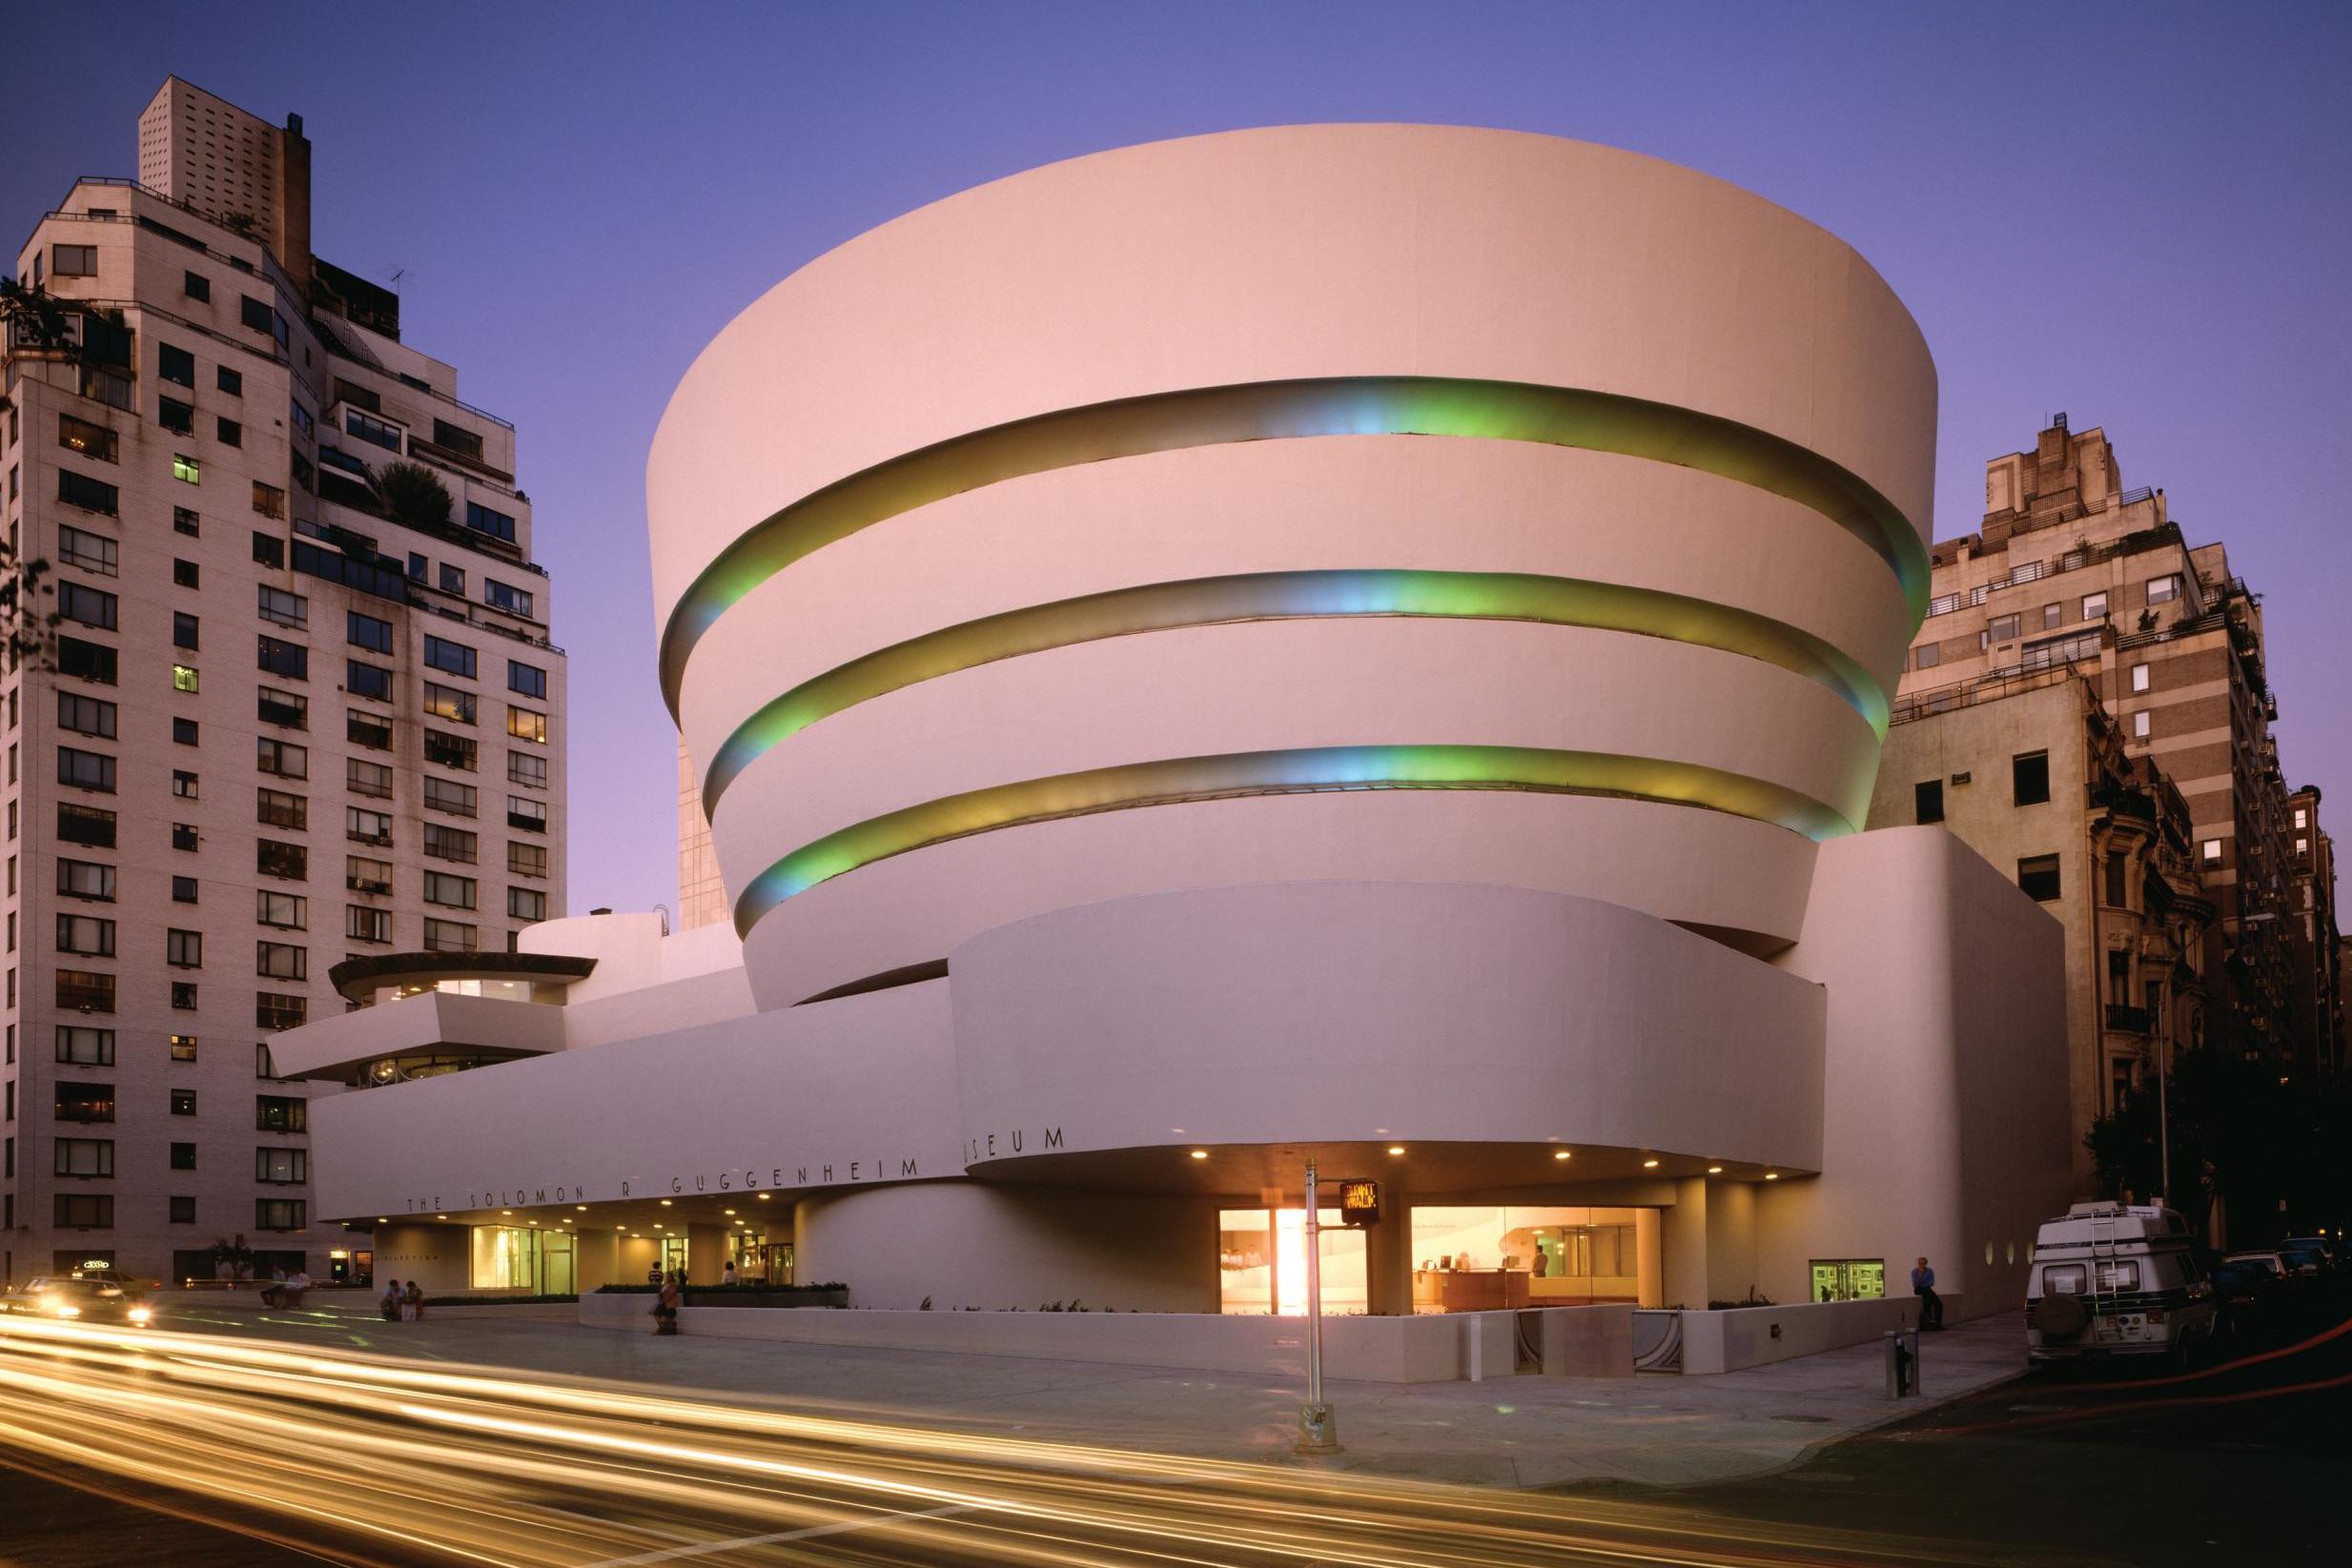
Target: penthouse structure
(301, 704)
(1360, 641)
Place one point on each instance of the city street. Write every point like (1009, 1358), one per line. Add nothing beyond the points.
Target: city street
(365, 1459)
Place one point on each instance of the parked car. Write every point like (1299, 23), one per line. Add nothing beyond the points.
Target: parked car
(2305, 1255)
(84, 1298)
(2269, 1260)
(2244, 1296)
(2112, 1279)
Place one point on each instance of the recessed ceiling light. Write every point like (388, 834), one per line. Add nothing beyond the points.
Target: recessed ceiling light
(1559, 1153)
(762, 1197)
(1714, 1169)
(581, 1207)
(1200, 1153)
(665, 1203)
(506, 1211)
(441, 1216)
(730, 1211)
(1396, 1149)
(1649, 1165)
(1771, 1176)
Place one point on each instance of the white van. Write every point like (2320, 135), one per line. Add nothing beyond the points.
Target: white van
(2112, 1279)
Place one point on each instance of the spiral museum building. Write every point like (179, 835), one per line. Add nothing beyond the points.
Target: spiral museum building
(1369, 642)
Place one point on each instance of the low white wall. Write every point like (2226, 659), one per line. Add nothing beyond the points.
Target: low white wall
(1426, 1348)
(1744, 1337)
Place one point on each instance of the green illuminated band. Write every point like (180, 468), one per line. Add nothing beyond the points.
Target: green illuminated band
(1401, 405)
(1270, 596)
(1302, 770)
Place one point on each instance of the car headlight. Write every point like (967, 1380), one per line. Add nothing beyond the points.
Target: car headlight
(66, 1311)
(140, 1314)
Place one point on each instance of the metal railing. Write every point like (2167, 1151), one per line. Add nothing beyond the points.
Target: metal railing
(2069, 561)
(1989, 687)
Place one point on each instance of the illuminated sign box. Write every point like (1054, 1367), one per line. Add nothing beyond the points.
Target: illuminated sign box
(1359, 1202)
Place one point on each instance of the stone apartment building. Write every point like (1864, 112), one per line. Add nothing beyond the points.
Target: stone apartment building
(2318, 945)
(281, 728)
(2159, 752)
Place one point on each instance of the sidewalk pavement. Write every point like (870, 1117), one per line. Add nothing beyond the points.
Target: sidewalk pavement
(1525, 1432)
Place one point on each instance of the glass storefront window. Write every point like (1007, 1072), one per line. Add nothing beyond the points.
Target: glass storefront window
(1849, 1278)
(1262, 1263)
(1492, 1257)
(513, 1257)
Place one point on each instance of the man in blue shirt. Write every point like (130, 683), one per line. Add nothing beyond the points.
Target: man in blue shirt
(1931, 1305)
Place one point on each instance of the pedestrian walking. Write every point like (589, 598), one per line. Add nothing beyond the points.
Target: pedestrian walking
(665, 1304)
(1931, 1305)
(730, 1276)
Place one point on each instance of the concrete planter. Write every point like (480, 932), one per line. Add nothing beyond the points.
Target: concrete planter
(1755, 1337)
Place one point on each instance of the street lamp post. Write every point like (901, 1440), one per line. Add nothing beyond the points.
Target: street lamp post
(1318, 1430)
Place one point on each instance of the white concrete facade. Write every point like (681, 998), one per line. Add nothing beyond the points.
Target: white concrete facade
(1367, 641)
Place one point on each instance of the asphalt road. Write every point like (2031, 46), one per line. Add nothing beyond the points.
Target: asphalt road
(366, 1462)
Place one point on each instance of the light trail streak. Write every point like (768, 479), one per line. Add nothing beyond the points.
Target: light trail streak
(479, 1465)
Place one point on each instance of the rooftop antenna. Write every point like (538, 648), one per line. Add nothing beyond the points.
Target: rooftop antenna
(397, 273)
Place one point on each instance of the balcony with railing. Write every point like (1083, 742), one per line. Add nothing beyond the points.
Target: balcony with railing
(2123, 1019)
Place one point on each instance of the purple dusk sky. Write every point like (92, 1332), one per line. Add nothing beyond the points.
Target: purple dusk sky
(2138, 213)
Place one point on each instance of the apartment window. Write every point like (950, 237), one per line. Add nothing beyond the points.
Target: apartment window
(365, 778)
(448, 936)
(350, 392)
(365, 631)
(456, 751)
(364, 925)
(87, 1158)
(230, 382)
(183, 1211)
(90, 606)
(2118, 979)
(1928, 802)
(2002, 628)
(527, 903)
(286, 610)
(444, 887)
(288, 861)
(505, 595)
(183, 950)
(93, 662)
(269, 550)
(362, 875)
(91, 552)
(526, 725)
(2029, 776)
(85, 770)
(444, 843)
(184, 996)
(269, 500)
(183, 889)
(84, 1212)
(85, 824)
(303, 423)
(279, 1213)
(187, 469)
(280, 1114)
(184, 520)
(276, 809)
(282, 757)
(89, 494)
(186, 678)
(2052, 617)
(287, 911)
(416, 566)
(526, 859)
(2139, 724)
(187, 631)
(82, 1046)
(2039, 877)
(183, 784)
(85, 715)
(273, 1010)
(371, 681)
(2117, 881)
(287, 709)
(195, 286)
(81, 991)
(183, 1156)
(2302, 846)
(290, 660)
(254, 312)
(372, 430)
(529, 770)
(183, 835)
(448, 795)
(526, 816)
(74, 261)
(456, 658)
(451, 702)
(2139, 677)
(89, 441)
(483, 521)
(2303, 817)
(80, 1101)
(281, 961)
(86, 936)
(281, 1167)
(453, 580)
(228, 432)
(2163, 590)
(85, 879)
(183, 1102)
(185, 574)
(174, 364)
(361, 826)
(527, 680)
(2095, 606)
